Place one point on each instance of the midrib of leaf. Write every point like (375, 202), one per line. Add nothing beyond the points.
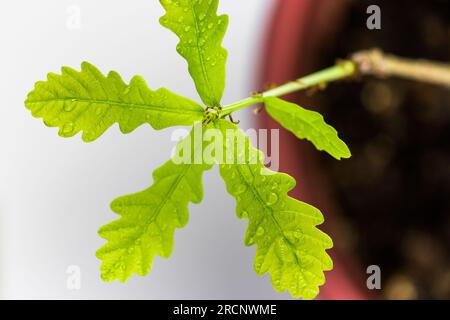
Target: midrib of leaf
(144, 107)
(311, 127)
(169, 195)
(158, 210)
(174, 186)
(266, 207)
(200, 56)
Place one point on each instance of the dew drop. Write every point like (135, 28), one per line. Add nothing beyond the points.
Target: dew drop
(250, 241)
(68, 107)
(244, 214)
(98, 111)
(260, 231)
(240, 189)
(271, 199)
(68, 127)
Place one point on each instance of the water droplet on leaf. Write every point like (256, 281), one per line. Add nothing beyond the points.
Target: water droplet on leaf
(68, 128)
(272, 199)
(98, 111)
(244, 214)
(239, 189)
(260, 231)
(69, 106)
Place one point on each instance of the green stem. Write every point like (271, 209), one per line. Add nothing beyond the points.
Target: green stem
(340, 71)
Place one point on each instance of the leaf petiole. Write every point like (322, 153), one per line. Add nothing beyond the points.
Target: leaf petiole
(341, 70)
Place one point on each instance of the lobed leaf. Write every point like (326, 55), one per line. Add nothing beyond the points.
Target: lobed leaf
(201, 32)
(288, 244)
(88, 101)
(309, 125)
(148, 220)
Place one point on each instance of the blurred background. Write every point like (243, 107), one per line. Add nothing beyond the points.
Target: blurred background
(387, 206)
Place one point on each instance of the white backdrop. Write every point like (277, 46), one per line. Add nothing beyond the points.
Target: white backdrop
(55, 192)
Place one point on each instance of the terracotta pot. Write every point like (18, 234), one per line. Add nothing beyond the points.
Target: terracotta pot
(297, 32)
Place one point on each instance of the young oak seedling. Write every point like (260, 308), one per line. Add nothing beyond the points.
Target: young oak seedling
(288, 244)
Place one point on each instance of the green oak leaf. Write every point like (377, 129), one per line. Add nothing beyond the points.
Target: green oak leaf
(88, 101)
(306, 124)
(149, 218)
(288, 244)
(201, 32)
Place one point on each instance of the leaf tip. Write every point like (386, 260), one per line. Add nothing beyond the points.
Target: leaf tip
(88, 137)
(344, 153)
(86, 65)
